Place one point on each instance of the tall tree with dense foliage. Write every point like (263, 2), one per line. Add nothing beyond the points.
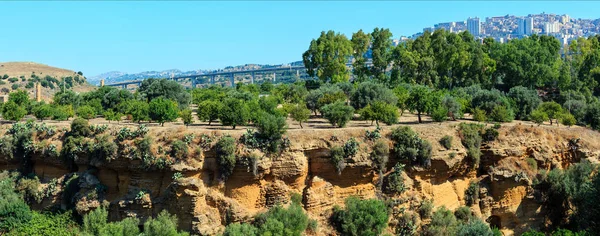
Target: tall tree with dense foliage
(163, 110)
(381, 49)
(186, 116)
(360, 45)
(327, 56)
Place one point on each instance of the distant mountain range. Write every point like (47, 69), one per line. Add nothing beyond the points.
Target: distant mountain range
(117, 76)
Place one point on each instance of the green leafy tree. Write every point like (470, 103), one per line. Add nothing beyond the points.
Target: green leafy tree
(163, 110)
(338, 113)
(524, 101)
(12, 111)
(167, 89)
(186, 116)
(380, 111)
(139, 110)
(86, 112)
(501, 114)
(361, 217)
(453, 107)
(402, 93)
(43, 111)
(208, 110)
(234, 112)
(419, 100)
(553, 110)
(326, 57)
(112, 116)
(19, 97)
(299, 113)
(63, 112)
(368, 92)
(360, 44)
(439, 114)
(538, 116)
(381, 49)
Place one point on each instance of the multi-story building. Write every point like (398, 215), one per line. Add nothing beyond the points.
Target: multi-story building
(551, 27)
(525, 26)
(474, 26)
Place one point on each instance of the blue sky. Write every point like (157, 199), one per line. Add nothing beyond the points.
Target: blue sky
(96, 37)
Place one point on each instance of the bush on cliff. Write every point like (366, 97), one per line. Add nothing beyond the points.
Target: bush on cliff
(409, 146)
(361, 217)
(225, 148)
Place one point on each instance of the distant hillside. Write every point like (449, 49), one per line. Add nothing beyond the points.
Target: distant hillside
(24, 75)
(116, 76)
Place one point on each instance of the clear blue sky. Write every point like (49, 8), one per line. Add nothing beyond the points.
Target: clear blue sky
(96, 37)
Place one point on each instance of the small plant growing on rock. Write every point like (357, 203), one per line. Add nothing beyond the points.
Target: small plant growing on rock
(351, 148)
(177, 176)
(472, 193)
(425, 209)
(446, 142)
(179, 149)
(373, 135)
(226, 159)
(337, 158)
(395, 180)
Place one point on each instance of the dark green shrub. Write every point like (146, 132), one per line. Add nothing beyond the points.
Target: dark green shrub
(80, 128)
(281, 221)
(395, 180)
(474, 227)
(338, 159)
(425, 209)
(86, 112)
(361, 217)
(524, 101)
(567, 119)
(186, 116)
(226, 159)
(163, 224)
(380, 155)
(338, 113)
(368, 92)
(408, 145)
(463, 214)
(47, 224)
(179, 150)
(104, 148)
(439, 114)
(446, 142)
(479, 115)
(490, 135)
(443, 222)
(501, 114)
(472, 193)
(14, 212)
(271, 129)
(237, 229)
(234, 112)
(350, 148)
(95, 221)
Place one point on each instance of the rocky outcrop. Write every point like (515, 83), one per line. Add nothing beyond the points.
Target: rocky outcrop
(204, 203)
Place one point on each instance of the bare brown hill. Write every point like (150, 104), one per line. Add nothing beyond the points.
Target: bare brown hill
(24, 75)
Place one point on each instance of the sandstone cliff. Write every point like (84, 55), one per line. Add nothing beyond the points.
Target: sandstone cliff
(204, 204)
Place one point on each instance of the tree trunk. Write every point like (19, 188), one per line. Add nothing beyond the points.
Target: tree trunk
(233, 126)
(301, 125)
(419, 115)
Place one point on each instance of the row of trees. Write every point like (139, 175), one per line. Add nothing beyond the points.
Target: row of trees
(445, 60)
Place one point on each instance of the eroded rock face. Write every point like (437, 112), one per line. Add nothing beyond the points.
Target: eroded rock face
(204, 203)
